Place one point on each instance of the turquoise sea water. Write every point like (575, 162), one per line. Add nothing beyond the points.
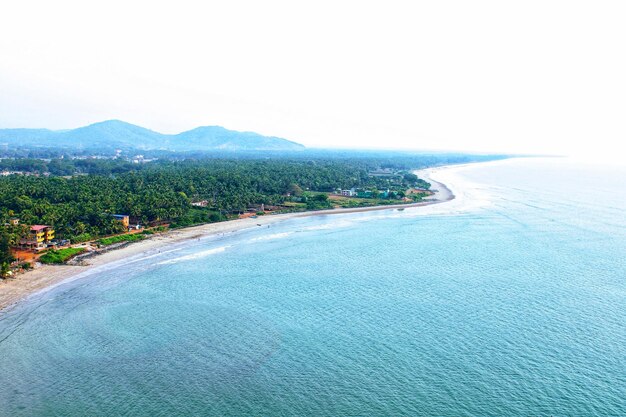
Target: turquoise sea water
(517, 308)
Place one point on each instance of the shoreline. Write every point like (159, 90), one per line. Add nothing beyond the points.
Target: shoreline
(17, 289)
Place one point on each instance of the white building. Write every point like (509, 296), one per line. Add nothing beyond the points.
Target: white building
(348, 193)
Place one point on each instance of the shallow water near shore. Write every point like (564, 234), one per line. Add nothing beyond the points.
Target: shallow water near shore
(512, 307)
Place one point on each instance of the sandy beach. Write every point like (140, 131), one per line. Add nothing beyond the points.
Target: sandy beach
(13, 290)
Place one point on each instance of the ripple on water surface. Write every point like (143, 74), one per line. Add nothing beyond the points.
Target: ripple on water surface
(515, 308)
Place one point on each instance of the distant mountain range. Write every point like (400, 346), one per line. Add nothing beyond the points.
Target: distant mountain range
(115, 134)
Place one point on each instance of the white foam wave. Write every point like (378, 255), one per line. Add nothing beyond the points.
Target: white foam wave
(197, 255)
(271, 237)
(318, 227)
(330, 225)
(469, 196)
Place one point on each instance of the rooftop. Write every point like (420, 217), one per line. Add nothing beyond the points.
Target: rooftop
(38, 227)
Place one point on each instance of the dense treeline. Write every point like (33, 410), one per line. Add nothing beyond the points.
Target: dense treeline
(64, 167)
(55, 163)
(79, 206)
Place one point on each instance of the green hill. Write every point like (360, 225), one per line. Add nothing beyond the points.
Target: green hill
(116, 134)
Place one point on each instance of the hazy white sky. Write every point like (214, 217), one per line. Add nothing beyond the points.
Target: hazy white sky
(524, 76)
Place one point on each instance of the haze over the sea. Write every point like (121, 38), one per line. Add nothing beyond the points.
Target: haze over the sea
(488, 76)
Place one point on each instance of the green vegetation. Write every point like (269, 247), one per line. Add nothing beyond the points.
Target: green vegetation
(60, 256)
(154, 230)
(83, 237)
(121, 238)
(26, 266)
(289, 206)
(4, 270)
(197, 215)
(316, 201)
(348, 202)
(193, 191)
(6, 257)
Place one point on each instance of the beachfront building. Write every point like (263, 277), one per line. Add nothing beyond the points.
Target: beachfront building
(122, 218)
(348, 193)
(255, 208)
(13, 221)
(39, 236)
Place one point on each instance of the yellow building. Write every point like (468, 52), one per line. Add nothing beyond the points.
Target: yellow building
(38, 236)
(122, 218)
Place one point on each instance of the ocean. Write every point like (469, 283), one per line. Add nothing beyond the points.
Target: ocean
(508, 301)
